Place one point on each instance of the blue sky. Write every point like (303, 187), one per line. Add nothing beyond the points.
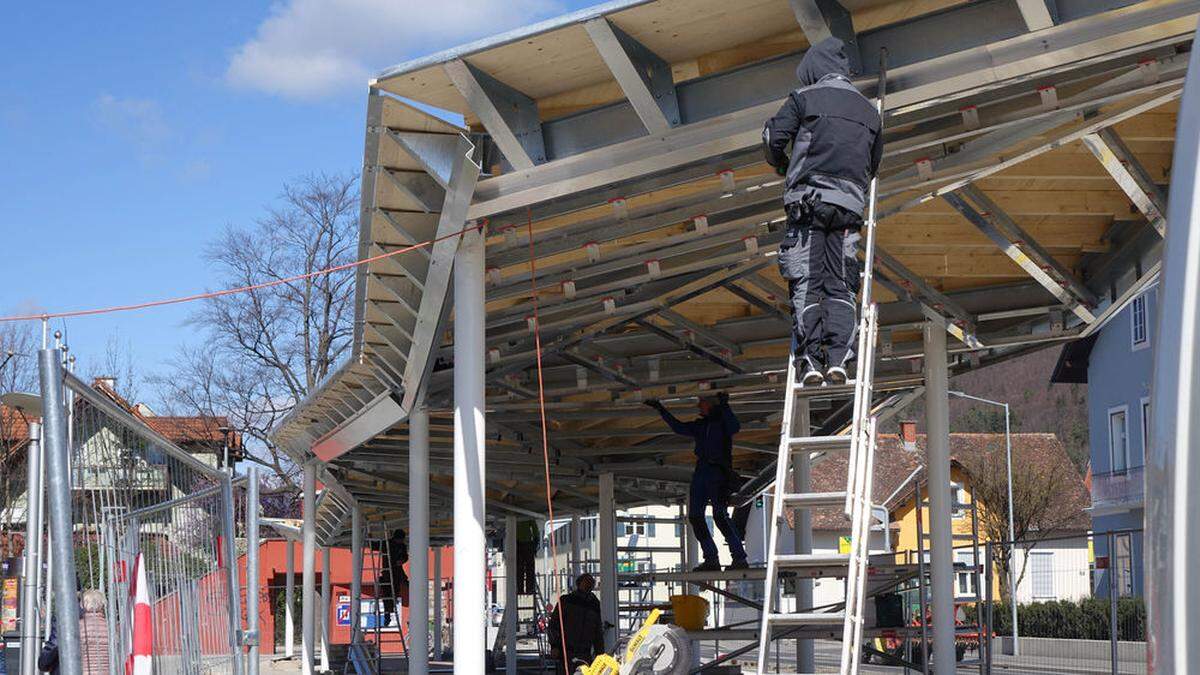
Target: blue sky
(131, 133)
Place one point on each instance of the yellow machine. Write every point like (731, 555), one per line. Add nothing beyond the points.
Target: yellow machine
(656, 649)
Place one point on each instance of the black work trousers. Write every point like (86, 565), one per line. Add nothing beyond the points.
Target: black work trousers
(819, 260)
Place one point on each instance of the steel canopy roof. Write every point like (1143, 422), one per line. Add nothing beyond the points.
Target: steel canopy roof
(1023, 184)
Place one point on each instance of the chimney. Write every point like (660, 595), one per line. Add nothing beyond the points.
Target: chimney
(908, 435)
(107, 381)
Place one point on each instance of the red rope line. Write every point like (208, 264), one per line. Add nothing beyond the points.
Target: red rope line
(537, 341)
(229, 291)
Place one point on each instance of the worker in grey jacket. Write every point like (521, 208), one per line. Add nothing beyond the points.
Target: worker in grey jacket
(836, 142)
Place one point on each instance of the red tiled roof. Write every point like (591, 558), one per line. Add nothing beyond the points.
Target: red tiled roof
(181, 429)
(894, 467)
(14, 427)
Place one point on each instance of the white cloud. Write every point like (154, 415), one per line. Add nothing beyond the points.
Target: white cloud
(137, 121)
(308, 49)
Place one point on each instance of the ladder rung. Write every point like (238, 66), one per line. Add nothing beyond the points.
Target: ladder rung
(823, 391)
(795, 499)
(798, 560)
(820, 442)
(807, 618)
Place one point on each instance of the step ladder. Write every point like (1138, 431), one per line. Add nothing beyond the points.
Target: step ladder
(535, 612)
(855, 500)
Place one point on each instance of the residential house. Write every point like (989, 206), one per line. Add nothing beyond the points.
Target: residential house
(1057, 568)
(1116, 364)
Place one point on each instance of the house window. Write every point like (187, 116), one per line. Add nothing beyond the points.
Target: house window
(1118, 438)
(1140, 324)
(1145, 428)
(965, 577)
(1123, 564)
(635, 528)
(1041, 564)
(650, 529)
(958, 500)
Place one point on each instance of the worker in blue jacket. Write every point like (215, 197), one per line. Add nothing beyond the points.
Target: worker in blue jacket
(714, 479)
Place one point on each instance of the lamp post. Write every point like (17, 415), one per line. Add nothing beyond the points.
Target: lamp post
(1012, 537)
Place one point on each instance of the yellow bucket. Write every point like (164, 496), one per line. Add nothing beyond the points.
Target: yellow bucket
(690, 611)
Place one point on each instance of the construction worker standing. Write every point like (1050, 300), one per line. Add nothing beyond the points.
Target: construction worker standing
(837, 143)
(714, 478)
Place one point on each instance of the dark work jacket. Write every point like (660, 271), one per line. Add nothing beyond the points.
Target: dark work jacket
(582, 625)
(713, 434)
(835, 133)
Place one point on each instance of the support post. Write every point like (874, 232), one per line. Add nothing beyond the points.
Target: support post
(253, 542)
(356, 565)
(289, 602)
(510, 595)
(802, 531)
(470, 601)
(418, 539)
(233, 595)
(438, 598)
(326, 588)
(607, 525)
(937, 461)
(576, 563)
(33, 534)
(308, 590)
(1113, 634)
(58, 482)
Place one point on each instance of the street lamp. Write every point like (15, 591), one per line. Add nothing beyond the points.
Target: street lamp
(1012, 537)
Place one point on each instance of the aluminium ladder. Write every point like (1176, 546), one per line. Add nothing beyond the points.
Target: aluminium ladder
(855, 500)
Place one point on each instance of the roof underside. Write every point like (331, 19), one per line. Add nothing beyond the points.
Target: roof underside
(1022, 190)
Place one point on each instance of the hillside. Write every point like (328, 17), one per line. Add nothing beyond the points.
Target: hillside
(1037, 405)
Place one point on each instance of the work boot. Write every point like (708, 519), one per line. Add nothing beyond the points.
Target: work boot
(836, 375)
(738, 564)
(812, 378)
(708, 566)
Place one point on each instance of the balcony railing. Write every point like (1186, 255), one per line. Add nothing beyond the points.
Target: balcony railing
(1125, 488)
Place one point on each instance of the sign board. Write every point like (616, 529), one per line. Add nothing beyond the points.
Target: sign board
(844, 544)
(343, 614)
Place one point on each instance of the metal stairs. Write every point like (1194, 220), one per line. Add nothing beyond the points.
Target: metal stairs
(855, 500)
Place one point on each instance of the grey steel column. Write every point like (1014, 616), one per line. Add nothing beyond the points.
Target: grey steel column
(252, 591)
(418, 539)
(1172, 539)
(231, 572)
(58, 483)
(438, 599)
(326, 602)
(470, 539)
(356, 565)
(510, 595)
(33, 534)
(289, 601)
(607, 524)
(937, 462)
(308, 591)
(1113, 634)
(802, 531)
(576, 563)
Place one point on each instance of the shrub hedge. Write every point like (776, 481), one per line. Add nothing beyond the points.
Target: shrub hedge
(1086, 619)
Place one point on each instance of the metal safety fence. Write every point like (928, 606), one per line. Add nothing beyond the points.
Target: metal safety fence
(153, 533)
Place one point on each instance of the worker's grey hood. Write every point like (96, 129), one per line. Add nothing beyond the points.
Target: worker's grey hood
(825, 58)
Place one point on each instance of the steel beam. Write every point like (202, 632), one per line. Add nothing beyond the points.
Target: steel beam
(607, 524)
(1038, 14)
(1023, 250)
(418, 539)
(1130, 176)
(509, 116)
(642, 75)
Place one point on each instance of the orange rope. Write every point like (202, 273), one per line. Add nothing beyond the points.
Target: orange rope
(537, 341)
(229, 291)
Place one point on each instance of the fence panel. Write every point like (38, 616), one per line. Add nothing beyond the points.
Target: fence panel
(134, 492)
(1079, 605)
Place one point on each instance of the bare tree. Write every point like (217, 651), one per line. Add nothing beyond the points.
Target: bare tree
(118, 365)
(18, 373)
(266, 349)
(1042, 500)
